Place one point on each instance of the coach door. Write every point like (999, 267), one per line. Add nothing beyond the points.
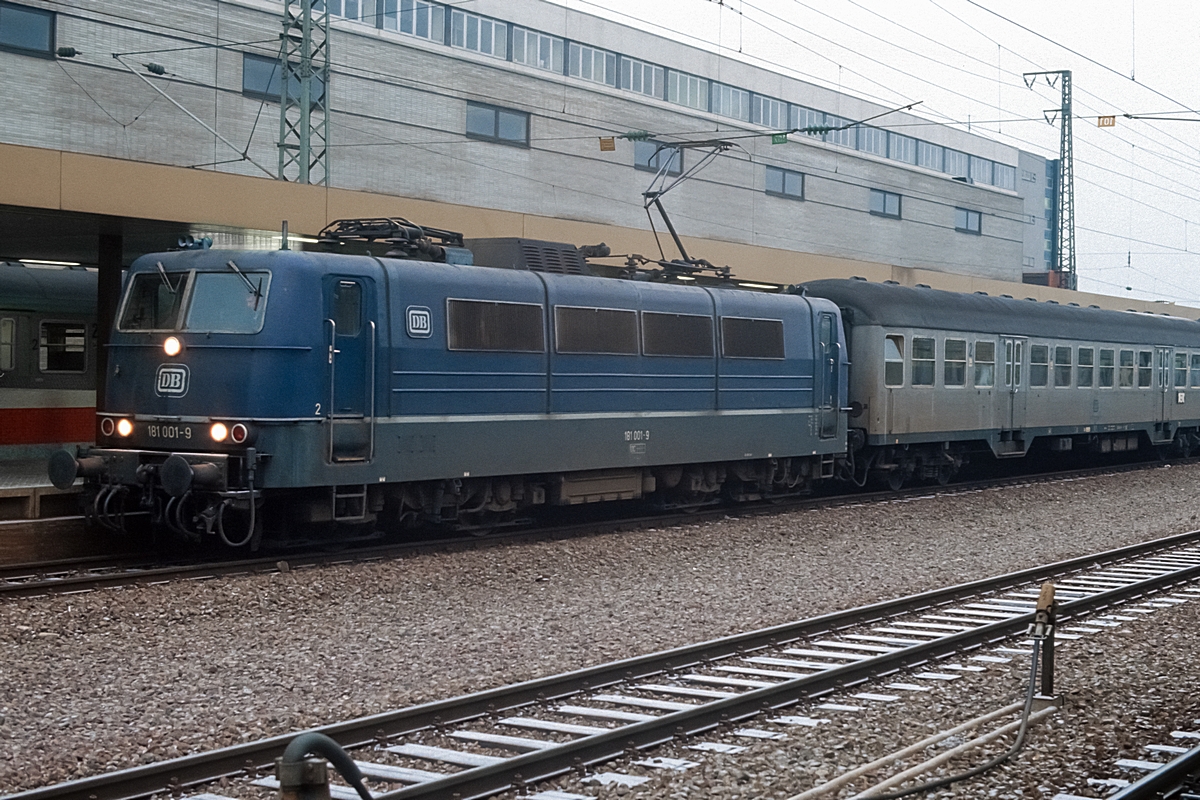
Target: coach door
(1011, 402)
(827, 376)
(1166, 395)
(350, 335)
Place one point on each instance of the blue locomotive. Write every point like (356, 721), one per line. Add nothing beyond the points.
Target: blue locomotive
(268, 393)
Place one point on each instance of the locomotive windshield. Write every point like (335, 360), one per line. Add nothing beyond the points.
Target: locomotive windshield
(207, 302)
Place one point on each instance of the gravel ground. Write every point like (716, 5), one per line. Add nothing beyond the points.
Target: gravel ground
(116, 678)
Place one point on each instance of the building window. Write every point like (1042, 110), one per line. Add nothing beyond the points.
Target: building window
(485, 325)
(967, 221)
(802, 117)
(957, 164)
(8, 339)
(981, 170)
(1106, 369)
(1145, 368)
(1028, 261)
(26, 30)
(638, 76)
(1039, 364)
(1029, 175)
(1004, 177)
(768, 112)
(729, 101)
(1181, 370)
(1087, 358)
(63, 347)
(924, 356)
(537, 50)
(676, 334)
(609, 331)
(955, 373)
(873, 140)
(846, 137)
(261, 78)
(1125, 372)
(497, 124)
(483, 35)
(893, 360)
(591, 64)
(649, 156)
(930, 156)
(687, 90)
(985, 363)
(785, 183)
(418, 18)
(885, 204)
(1062, 366)
(902, 148)
(751, 338)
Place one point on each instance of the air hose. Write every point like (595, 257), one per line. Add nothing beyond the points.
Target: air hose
(321, 745)
(221, 519)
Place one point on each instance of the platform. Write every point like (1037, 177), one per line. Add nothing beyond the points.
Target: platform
(26, 493)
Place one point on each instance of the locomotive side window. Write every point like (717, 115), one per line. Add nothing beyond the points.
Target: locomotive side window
(595, 330)
(8, 335)
(1039, 361)
(893, 361)
(1145, 368)
(1087, 358)
(1125, 374)
(347, 308)
(1062, 366)
(153, 301)
(955, 372)
(985, 363)
(1196, 369)
(229, 302)
(676, 334)
(1106, 369)
(751, 338)
(486, 325)
(63, 347)
(924, 354)
(1181, 369)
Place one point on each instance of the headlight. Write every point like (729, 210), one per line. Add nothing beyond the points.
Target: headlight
(124, 427)
(218, 431)
(172, 346)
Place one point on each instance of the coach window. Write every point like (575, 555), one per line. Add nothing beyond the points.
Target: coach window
(1196, 369)
(494, 124)
(1145, 369)
(893, 361)
(1181, 370)
(63, 347)
(1125, 372)
(1106, 369)
(676, 334)
(955, 370)
(1062, 366)
(486, 325)
(751, 338)
(608, 331)
(1039, 360)
(8, 335)
(985, 363)
(924, 354)
(1087, 358)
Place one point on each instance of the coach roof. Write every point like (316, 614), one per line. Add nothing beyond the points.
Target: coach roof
(890, 305)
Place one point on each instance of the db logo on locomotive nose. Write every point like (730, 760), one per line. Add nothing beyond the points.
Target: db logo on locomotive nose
(172, 380)
(420, 322)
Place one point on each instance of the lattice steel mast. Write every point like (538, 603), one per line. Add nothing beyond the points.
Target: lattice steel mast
(1064, 228)
(304, 92)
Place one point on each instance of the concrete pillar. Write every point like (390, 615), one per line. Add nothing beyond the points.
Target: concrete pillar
(108, 296)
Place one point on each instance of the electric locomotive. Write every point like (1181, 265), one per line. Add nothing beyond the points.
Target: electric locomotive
(284, 393)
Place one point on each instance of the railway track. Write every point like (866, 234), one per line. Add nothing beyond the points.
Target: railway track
(37, 579)
(519, 736)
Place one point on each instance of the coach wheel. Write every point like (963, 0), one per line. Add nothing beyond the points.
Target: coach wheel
(944, 474)
(895, 479)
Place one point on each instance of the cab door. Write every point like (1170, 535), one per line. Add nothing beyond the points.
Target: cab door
(350, 333)
(828, 362)
(1011, 405)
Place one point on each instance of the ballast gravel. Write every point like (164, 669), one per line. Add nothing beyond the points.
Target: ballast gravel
(116, 678)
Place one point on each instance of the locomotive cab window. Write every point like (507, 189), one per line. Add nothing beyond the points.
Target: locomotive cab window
(63, 347)
(924, 354)
(985, 363)
(488, 325)
(1084, 374)
(893, 361)
(153, 301)
(955, 372)
(228, 302)
(676, 334)
(608, 331)
(1062, 366)
(1106, 369)
(1125, 373)
(8, 335)
(751, 338)
(1039, 364)
(347, 308)
(1145, 369)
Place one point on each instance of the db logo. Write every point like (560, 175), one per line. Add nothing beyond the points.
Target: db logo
(171, 380)
(420, 322)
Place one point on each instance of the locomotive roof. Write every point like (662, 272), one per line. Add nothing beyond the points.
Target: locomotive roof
(915, 307)
(59, 290)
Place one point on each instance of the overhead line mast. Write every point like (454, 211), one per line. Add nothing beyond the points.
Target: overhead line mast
(1064, 218)
(304, 93)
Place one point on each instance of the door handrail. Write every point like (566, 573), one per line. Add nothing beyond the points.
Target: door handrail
(332, 382)
(371, 393)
